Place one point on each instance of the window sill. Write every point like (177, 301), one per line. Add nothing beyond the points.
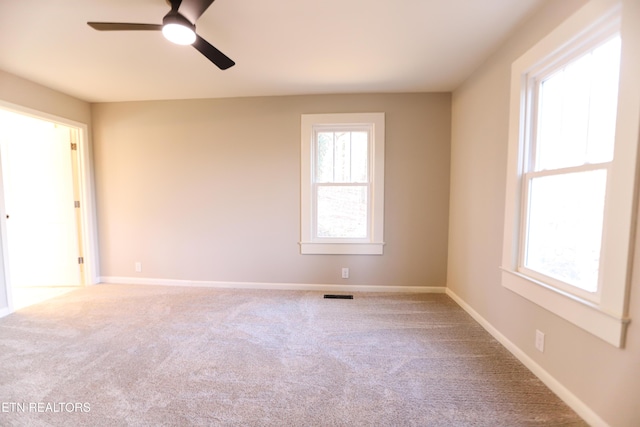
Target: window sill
(584, 314)
(308, 248)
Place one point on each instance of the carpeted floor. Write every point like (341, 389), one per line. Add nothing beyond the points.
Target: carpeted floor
(115, 355)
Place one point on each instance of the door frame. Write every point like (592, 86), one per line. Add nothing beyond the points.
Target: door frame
(88, 222)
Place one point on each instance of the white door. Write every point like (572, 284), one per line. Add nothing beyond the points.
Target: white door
(42, 232)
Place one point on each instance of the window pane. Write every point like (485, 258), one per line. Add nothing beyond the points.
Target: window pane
(603, 107)
(342, 157)
(359, 156)
(577, 110)
(342, 211)
(565, 227)
(324, 167)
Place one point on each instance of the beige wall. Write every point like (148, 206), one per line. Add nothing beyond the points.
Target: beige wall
(25, 93)
(210, 190)
(607, 379)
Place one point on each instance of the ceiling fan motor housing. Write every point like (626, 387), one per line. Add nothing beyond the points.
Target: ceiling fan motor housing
(174, 17)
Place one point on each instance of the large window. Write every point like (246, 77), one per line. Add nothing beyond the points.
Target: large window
(569, 213)
(570, 149)
(342, 183)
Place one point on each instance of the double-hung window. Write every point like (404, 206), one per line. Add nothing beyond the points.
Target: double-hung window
(569, 211)
(342, 183)
(568, 158)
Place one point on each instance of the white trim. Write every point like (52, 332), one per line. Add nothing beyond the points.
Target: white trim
(554, 385)
(609, 327)
(342, 248)
(268, 285)
(5, 311)
(88, 212)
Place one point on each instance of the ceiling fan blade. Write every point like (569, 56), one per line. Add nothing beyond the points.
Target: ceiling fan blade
(121, 26)
(221, 60)
(192, 9)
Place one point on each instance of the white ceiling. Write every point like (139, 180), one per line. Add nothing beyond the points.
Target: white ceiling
(281, 47)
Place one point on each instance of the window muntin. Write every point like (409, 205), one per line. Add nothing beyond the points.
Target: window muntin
(570, 152)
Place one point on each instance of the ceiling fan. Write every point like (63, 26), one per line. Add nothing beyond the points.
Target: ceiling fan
(179, 27)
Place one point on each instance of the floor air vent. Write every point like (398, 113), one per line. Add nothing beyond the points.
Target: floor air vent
(330, 296)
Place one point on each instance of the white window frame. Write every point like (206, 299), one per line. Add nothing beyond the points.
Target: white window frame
(534, 78)
(373, 243)
(603, 314)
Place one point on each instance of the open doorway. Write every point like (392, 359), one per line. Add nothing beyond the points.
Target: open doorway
(42, 199)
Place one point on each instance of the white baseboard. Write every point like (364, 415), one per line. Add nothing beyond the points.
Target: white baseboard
(5, 311)
(561, 391)
(280, 286)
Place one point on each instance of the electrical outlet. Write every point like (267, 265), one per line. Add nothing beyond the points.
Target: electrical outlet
(345, 273)
(138, 267)
(539, 341)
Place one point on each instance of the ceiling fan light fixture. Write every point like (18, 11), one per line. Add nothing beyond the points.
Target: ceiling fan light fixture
(177, 29)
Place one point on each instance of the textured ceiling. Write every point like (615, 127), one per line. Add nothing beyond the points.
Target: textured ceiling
(281, 47)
